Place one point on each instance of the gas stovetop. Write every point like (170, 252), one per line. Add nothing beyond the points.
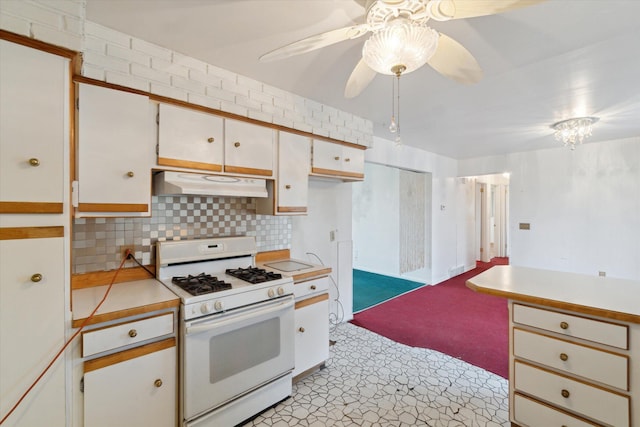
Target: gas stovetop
(205, 274)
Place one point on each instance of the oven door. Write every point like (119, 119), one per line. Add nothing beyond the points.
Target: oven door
(227, 355)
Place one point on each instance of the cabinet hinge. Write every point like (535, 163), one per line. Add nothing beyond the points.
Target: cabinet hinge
(157, 149)
(82, 385)
(78, 104)
(158, 118)
(75, 193)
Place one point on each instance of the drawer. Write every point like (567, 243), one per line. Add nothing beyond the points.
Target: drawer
(531, 413)
(597, 365)
(112, 337)
(573, 326)
(307, 288)
(581, 398)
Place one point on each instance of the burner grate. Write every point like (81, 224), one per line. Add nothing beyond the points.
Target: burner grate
(200, 284)
(253, 274)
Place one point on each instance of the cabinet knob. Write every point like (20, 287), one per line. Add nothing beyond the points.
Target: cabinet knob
(564, 357)
(347, 159)
(34, 162)
(210, 140)
(236, 144)
(564, 325)
(313, 287)
(301, 329)
(36, 278)
(337, 157)
(565, 393)
(133, 333)
(288, 187)
(158, 382)
(130, 174)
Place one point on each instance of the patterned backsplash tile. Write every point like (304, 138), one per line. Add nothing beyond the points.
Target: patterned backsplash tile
(98, 243)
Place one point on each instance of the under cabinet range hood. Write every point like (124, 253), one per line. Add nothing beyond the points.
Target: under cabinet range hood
(171, 183)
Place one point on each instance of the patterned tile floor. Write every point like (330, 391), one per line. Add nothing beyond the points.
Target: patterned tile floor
(372, 381)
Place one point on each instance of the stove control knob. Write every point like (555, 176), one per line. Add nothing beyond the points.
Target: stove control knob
(280, 290)
(206, 307)
(271, 293)
(218, 305)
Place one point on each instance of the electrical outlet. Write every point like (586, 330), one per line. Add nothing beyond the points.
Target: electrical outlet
(332, 235)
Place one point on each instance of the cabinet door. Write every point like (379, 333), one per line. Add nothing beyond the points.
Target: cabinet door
(294, 154)
(189, 139)
(32, 324)
(327, 158)
(116, 150)
(33, 121)
(353, 162)
(248, 148)
(132, 388)
(312, 333)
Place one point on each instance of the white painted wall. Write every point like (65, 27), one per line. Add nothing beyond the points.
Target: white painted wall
(329, 210)
(583, 206)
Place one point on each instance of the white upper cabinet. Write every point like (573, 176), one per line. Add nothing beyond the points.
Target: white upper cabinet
(249, 148)
(34, 117)
(294, 158)
(190, 139)
(116, 151)
(340, 161)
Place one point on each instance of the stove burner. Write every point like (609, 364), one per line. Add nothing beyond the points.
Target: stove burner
(253, 274)
(200, 284)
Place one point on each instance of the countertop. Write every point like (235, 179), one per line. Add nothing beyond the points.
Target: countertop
(125, 299)
(599, 296)
(305, 270)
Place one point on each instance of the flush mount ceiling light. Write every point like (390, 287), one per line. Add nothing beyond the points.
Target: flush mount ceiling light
(573, 131)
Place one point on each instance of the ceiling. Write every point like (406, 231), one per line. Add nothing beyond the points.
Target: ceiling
(542, 64)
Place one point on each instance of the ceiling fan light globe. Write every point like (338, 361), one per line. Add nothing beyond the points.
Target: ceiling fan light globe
(402, 43)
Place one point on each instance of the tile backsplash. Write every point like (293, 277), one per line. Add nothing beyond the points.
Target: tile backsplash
(98, 242)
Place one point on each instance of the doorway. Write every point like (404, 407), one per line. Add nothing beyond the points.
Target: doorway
(492, 217)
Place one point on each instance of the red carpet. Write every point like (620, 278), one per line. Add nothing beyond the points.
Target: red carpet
(450, 318)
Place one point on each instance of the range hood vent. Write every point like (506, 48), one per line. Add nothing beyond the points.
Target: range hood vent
(172, 183)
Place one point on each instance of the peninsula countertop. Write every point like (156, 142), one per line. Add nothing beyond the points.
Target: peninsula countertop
(599, 296)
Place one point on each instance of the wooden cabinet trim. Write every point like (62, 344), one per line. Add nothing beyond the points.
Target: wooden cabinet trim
(210, 167)
(263, 257)
(15, 233)
(31, 207)
(554, 408)
(100, 278)
(332, 172)
(247, 171)
(316, 274)
(312, 300)
(112, 359)
(37, 44)
(298, 209)
(113, 207)
(120, 314)
(163, 99)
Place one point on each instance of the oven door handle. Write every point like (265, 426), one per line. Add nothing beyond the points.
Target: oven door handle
(214, 324)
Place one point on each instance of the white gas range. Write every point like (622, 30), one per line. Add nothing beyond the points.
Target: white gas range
(237, 329)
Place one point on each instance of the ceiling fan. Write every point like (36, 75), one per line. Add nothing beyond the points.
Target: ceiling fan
(401, 41)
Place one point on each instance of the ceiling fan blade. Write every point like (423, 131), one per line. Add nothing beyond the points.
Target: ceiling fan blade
(360, 78)
(316, 42)
(472, 8)
(452, 60)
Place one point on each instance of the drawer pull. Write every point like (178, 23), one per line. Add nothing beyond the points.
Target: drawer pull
(564, 357)
(288, 187)
(565, 393)
(564, 325)
(337, 158)
(236, 144)
(34, 162)
(210, 140)
(313, 287)
(133, 333)
(347, 159)
(36, 278)
(158, 383)
(301, 329)
(130, 174)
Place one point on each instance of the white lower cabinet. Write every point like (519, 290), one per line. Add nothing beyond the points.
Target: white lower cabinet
(312, 333)
(135, 387)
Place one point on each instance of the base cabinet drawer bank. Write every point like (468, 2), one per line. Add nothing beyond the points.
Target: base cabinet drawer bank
(574, 343)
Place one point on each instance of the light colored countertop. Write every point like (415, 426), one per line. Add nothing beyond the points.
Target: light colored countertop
(297, 269)
(125, 299)
(599, 296)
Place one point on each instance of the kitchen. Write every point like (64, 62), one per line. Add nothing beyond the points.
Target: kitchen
(330, 199)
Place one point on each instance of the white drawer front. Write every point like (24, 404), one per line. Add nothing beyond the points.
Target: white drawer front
(94, 342)
(573, 326)
(597, 365)
(583, 399)
(528, 412)
(308, 288)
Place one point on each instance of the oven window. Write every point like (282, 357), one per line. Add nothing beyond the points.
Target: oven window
(244, 348)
